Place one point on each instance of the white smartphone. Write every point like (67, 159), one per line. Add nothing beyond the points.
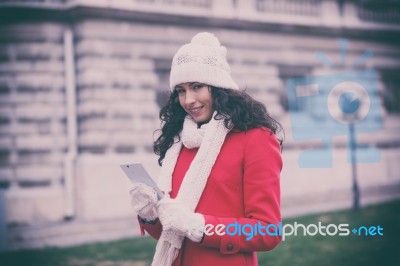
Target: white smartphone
(137, 173)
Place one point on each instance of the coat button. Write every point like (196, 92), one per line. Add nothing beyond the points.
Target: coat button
(229, 247)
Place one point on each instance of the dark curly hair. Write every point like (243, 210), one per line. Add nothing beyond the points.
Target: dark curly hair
(237, 108)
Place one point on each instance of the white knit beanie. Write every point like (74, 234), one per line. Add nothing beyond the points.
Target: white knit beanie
(202, 60)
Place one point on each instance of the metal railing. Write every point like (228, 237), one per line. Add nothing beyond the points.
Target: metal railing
(294, 7)
(356, 13)
(376, 11)
(191, 3)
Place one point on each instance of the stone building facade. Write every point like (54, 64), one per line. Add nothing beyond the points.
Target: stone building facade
(82, 82)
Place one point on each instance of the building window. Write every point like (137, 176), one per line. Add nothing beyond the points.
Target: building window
(289, 72)
(391, 92)
(162, 68)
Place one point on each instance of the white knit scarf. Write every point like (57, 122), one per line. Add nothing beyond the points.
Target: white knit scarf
(209, 137)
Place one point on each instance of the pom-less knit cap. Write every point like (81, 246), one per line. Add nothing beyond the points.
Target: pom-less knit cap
(202, 60)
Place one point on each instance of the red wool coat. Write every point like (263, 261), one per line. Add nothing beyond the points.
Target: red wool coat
(243, 187)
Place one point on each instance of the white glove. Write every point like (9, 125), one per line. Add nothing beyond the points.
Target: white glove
(143, 201)
(177, 217)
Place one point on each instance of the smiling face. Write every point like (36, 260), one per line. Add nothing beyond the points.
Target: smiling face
(196, 99)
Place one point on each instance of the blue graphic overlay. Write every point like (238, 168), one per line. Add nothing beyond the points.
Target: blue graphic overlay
(323, 107)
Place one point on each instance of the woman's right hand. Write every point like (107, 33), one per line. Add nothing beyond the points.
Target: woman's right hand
(143, 201)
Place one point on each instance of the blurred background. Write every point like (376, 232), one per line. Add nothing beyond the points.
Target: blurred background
(82, 82)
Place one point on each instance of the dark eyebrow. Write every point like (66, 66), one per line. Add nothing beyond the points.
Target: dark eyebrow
(178, 87)
(190, 85)
(196, 82)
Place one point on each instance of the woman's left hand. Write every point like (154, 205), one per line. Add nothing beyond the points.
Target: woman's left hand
(177, 217)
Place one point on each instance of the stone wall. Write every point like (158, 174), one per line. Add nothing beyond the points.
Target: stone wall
(33, 114)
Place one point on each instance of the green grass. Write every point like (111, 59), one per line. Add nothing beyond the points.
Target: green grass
(343, 250)
(295, 250)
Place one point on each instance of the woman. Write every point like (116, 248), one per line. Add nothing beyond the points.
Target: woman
(220, 169)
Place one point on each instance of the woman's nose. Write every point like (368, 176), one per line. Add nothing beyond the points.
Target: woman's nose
(190, 97)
